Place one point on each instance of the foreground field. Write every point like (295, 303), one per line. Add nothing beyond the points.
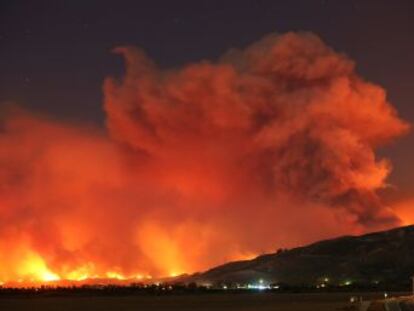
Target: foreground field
(206, 302)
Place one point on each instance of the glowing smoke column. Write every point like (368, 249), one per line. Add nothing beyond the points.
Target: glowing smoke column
(272, 146)
(288, 110)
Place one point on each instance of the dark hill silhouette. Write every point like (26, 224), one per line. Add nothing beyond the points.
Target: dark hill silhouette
(377, 258)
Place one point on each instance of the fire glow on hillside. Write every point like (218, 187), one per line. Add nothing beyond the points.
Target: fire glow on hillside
(271, 146)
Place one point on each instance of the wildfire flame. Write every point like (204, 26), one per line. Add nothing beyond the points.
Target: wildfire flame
(271, 146)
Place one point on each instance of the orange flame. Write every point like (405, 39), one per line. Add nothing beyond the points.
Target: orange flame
(272, 146)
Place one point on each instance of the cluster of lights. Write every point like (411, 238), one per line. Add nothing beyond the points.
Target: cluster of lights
(260, 285)
(160, 286)
(41, 272)
(325, 282)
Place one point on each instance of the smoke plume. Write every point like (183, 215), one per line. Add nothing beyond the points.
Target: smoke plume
(271, 146)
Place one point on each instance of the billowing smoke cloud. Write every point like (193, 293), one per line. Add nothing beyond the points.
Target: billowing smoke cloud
(271, 146)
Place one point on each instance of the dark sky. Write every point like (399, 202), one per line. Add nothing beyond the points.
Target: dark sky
(55, 54)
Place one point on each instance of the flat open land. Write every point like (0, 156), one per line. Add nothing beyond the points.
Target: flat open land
(203, 302)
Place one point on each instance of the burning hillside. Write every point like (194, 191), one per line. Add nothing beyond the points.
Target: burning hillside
(271, 146)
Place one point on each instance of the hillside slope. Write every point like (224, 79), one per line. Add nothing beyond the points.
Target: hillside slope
(380, 257)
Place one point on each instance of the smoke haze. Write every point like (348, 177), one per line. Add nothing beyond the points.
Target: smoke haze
(271, 146)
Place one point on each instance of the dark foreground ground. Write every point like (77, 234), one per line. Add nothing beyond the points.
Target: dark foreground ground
(205, 302)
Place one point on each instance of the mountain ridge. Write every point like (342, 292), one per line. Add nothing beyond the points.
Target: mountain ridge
(372, 258)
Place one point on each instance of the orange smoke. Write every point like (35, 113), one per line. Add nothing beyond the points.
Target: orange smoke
(272, 146)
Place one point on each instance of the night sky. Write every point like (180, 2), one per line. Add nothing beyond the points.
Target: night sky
(54, 55)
